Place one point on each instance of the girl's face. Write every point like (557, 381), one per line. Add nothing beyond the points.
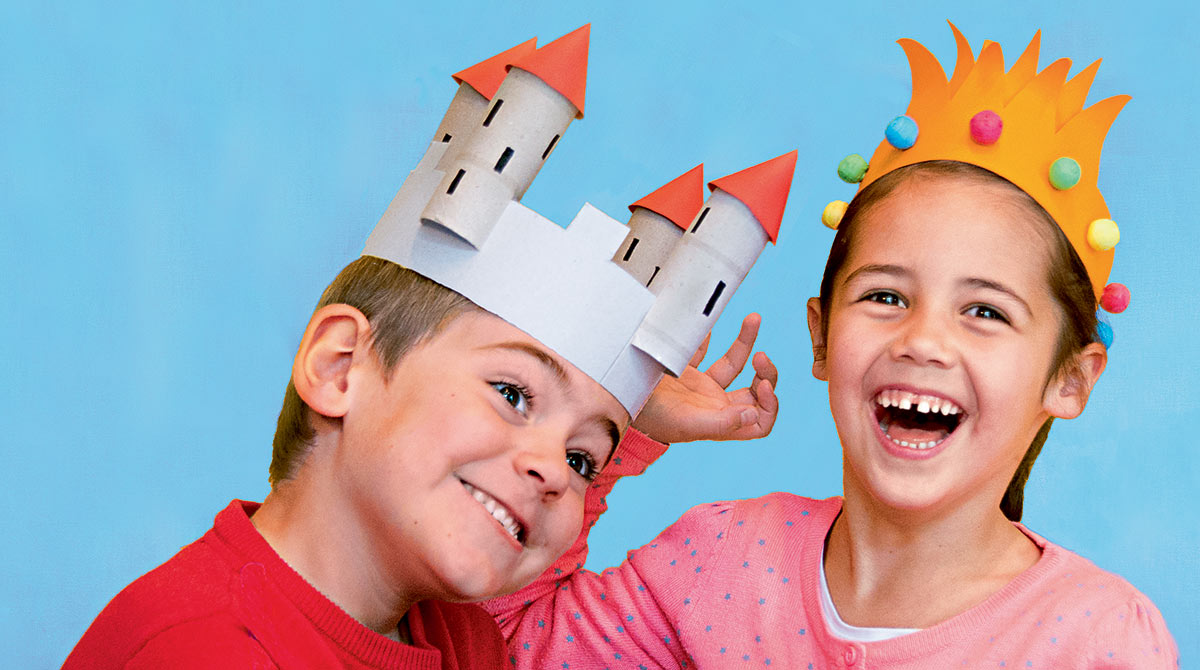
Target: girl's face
(940, 337)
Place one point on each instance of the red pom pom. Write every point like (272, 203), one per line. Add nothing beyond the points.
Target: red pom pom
(986, 127)
(1115, 298)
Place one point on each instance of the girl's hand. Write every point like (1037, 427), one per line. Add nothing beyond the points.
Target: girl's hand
(696, 406)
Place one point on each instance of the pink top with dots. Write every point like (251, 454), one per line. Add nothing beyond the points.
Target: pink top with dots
(736, 584)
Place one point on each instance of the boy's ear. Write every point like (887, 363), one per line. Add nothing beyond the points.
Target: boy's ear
(320, 373)
(816, 330)
(1067, 394)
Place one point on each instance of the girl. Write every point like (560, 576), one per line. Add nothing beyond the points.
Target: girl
(956, 320)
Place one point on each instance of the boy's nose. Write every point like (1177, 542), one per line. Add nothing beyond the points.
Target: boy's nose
(924, 339)
(543, 462)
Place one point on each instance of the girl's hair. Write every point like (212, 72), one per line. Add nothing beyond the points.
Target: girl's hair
(1066, 276)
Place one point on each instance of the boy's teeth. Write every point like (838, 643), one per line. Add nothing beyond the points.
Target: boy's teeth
(498, 511)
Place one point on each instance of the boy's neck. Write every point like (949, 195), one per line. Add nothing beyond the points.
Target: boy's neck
(307, 526)
(887, 568)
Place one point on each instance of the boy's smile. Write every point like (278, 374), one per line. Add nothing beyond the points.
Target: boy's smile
(941, 335)
(467, 466)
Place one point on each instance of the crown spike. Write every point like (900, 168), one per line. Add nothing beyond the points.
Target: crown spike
(1087, 129)
(1074, 93)
(929, 87)
(964, 61)
(1023, 71)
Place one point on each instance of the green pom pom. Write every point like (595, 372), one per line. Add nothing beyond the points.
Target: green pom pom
(1064, 173)
(852, 168)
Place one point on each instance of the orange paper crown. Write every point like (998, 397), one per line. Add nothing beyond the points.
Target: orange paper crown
(1027, 126)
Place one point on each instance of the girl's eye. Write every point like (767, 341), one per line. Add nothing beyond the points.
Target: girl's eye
(885, 298)
(986, 312)
(515, 395)
(583, 464)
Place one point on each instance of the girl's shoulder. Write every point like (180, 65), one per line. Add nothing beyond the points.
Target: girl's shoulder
(1065, 594)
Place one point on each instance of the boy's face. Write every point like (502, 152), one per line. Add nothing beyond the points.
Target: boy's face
(467, 467)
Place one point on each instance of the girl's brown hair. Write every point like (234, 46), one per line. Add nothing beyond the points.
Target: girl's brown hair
(1066, 277)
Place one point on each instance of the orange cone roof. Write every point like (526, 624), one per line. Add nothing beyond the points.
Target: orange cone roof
(679, 200)
(562, 64)
(763, 188)
(485, 76)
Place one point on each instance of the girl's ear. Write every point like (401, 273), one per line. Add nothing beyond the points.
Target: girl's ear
(816, 330)
(1067, 394)
(320, 373)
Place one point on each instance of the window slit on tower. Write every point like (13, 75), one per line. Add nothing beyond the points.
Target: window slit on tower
(504, 158)
(454, 184)
(492, 114)
(549, 147)
(656, 269)
(446, 137)
(712, 301)
(629, 251)
(700, 219)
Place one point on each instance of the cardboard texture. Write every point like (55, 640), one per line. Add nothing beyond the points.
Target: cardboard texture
(457, 221)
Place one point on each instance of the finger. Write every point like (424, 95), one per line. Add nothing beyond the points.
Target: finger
(698, 357)
(727, 367)
(764, 370)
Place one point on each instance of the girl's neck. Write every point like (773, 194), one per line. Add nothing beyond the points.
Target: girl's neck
(895, 569)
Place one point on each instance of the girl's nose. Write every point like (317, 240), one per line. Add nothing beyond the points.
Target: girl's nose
(924, 339)
(542, 461)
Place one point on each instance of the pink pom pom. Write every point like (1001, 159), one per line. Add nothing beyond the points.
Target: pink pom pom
(1115, 298)
(986, 127)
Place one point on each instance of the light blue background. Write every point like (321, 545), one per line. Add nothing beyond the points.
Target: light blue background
(177, 185)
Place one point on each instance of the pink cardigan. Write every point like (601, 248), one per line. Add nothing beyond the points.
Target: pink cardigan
(735, 584)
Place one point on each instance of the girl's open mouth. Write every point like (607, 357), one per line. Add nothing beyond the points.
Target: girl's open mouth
(914, 420)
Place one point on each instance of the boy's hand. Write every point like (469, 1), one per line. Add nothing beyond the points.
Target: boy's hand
(696, 406)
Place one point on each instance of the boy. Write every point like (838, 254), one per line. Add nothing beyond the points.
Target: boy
(431, 451)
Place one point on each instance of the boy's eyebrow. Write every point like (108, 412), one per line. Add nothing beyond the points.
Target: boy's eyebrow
(544, 358)
(609, 426)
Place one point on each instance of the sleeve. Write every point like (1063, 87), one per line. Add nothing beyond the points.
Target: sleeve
(201, 645)
(1133, 637)
(628, 616)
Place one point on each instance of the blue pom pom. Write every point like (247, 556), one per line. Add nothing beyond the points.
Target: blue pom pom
(901, 132)
(1104, 333)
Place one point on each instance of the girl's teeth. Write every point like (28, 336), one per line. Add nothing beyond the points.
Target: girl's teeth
(923, 404)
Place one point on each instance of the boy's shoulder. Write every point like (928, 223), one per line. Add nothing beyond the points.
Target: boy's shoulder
(189, 597)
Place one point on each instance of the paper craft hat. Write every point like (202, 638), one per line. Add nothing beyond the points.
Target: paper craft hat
(1027, 126)
(624, 304)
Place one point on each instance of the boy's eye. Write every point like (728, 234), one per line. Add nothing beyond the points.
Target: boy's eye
(515, 395)
(986, 312)
(583, 464)
(885, 298)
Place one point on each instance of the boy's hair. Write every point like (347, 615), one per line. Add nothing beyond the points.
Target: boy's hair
(403, 308)
(1068, 279)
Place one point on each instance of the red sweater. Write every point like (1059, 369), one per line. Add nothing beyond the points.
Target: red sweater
(229, 601)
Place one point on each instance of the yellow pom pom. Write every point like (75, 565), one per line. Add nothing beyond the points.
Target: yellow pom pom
(1103, 234)
(833, 213)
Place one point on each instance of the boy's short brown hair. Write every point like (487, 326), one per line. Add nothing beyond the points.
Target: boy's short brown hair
(404, 309)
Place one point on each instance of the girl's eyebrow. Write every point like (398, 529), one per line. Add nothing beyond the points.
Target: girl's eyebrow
(877, 268)
(979, 282)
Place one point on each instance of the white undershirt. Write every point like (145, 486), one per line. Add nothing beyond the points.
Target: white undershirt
(844, 630)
